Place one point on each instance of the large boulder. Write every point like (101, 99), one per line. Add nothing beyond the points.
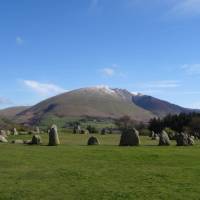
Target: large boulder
(130, 137)
(164, 139)
(37, 130)
(18, 141)
(191, 141)
(77, 129)
(3, 133)
(93, 141)
(36, 139)
(27, 141)
(53, 136)
(3, 139)
(154, 136)
(183, 139)
(8, 132)
(15, 131)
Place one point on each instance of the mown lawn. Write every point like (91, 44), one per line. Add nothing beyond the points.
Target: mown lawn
(75, 171)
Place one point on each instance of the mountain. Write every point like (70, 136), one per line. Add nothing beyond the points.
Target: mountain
(97, 102)
(158, 107)
(12, 112)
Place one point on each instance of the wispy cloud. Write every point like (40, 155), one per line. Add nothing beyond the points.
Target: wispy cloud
(108, 72)
(191, 69)
(186, 7)
(44, 89)
(19, 40)
(112, 71)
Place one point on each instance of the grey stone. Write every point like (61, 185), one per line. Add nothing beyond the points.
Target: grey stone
(3, 139)
(130, 137)
(93, 141)
(18, 141)
(53, 136)
(15, 131)
(3, 133)
(36, 139)
(164, 139)
(37, 130)
(183, 139)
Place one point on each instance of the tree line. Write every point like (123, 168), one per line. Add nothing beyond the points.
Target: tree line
(183, 122)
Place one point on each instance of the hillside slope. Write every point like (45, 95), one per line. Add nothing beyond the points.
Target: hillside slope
(93, 102)
(12, 112)
(158, 107)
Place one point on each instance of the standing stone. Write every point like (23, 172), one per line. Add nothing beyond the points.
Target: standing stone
(36, 139)
(191, 141)
(3, 133)
(183, 139)
(154, 136)
(37, 130)
(130, 137)
(93, 141)
(8, 133)
(164, 139)
(3, 139)
(15, 131)
(53, 136)
(18, 141)
(103, 131)
(77, 129)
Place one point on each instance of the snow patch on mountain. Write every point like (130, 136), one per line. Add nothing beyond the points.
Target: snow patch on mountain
(105, 89)
(137, 94)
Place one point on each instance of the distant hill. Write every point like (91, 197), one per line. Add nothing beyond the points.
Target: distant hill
(158, 107)
(95, 102)
(12, 112)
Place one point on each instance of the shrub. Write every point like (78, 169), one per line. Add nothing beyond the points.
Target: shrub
(145, 132)
(92, 129)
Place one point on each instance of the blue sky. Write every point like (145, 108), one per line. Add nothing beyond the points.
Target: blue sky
(48, 47)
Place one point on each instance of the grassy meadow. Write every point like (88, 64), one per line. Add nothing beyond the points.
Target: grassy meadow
(75, 171)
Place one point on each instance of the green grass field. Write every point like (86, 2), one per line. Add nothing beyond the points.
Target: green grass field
(75, 171)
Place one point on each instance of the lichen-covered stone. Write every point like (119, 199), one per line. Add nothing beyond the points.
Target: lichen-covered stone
(3, 139)
(53, 136)
(130, 137)
(18, 141)
(183, 139)
(3, 133)
(15, 131)
(36, 139)
(37, 130)
(164, 139)
(93, 141)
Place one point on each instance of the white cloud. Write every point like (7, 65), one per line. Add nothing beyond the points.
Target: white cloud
(19, 40)
(44, 89)
(186, 7)
(191, 68)
(108, 72)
